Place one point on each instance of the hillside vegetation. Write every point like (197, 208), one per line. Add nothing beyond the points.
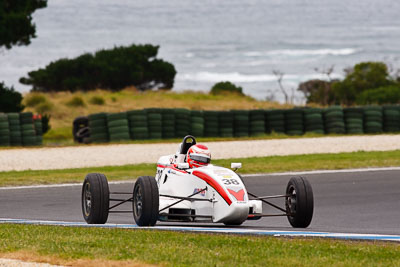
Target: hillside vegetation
(64, 107)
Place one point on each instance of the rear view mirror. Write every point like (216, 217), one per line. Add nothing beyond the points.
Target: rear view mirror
(236, 165)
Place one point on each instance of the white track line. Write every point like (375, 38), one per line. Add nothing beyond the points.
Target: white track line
(326, 171)
(276, 233)
(56, 185)
(244, 175)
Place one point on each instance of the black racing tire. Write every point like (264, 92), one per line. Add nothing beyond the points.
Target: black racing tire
(95, 198)
(300, 203)
(233, 223)
(145, 202)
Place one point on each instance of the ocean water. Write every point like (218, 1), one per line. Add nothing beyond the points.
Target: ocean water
(208, 41)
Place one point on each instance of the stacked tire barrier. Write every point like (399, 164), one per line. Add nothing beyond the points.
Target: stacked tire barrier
(38, 130)
(313, 121)
(168, 123)
(334, 120)
(118, 126)
(241, 123)
(294, 122)
(257, 122)
(182, 122)
(197, 123)
(138, 127)
(156, 123)
(4, 130)
(20, 129)
(211, 125)
(98, 128)
(275, 120)
(373, 119)
(15, 129)
(27, 129)
(354, 121)
(391, 115)
(225, 122)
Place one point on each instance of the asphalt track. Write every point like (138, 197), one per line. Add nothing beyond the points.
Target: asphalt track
(363, 202)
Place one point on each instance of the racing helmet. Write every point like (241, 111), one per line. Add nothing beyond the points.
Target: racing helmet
(198, 156)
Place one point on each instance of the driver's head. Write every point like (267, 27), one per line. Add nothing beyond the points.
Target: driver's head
(198, 156)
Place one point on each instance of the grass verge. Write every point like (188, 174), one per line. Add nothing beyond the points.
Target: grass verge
(64, 107)
(250, 165)
(66, 245)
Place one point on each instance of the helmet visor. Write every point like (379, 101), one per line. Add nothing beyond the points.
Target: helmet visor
(200, 158)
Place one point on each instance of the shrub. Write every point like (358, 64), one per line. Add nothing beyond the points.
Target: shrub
(381, 95)
(46, 123)
(10, 100)
(97, 100)
(76, 101)
(34, 100)
(44, 107)
(226, 87)
(113, 69)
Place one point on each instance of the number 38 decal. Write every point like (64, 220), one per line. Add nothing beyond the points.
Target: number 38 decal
(230, 181)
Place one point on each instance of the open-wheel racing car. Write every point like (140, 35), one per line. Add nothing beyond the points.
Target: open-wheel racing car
(187, 188)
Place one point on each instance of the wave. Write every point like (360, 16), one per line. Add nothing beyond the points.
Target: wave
(304, 52)
(249, 78)
(230, 76)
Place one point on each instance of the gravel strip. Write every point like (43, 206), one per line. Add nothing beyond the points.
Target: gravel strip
(116, 155)
(17, 263)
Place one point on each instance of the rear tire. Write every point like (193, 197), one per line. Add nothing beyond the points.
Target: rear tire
(145, 201)
(95, 198)
(233, 223)
(300, 203)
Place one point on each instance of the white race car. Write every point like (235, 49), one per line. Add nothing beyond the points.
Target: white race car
(183, 191)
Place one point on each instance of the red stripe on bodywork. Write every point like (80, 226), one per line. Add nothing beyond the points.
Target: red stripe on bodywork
(239, 195)
(214, 184)
(170, 167)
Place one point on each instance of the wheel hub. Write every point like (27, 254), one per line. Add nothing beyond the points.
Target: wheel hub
(138, 207)
(87, 200)
(291, 201)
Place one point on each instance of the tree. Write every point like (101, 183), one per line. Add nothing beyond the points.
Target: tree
(226, 87)
(10, 100)
(382, 95)
(364, 76)
(279, 76)
(16, 27)
(114, 69)
(317, 91)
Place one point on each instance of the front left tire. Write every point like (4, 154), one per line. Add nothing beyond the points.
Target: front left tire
(95, 198)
